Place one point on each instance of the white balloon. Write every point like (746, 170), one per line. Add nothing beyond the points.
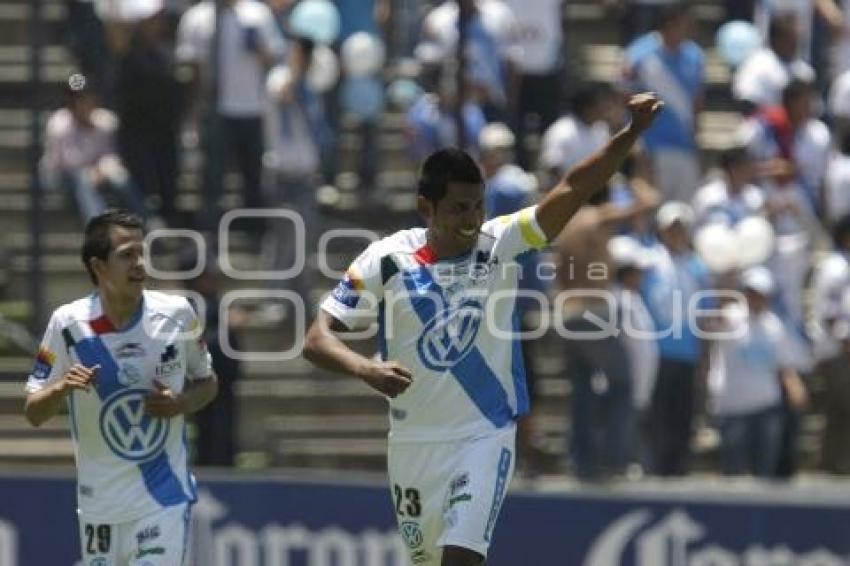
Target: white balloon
(755, 241)
(362, 54)
(324, 69)
(717, 246)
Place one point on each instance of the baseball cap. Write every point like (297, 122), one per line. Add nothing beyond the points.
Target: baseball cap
(137, 10)
(672, 212)
(758, 279)
(496, 136)
(627, 252)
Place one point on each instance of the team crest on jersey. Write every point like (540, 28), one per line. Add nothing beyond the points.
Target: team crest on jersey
(129, 374)
(449, 336)
(347, 292)
(169, 361)
(129, 432)
(130, 350)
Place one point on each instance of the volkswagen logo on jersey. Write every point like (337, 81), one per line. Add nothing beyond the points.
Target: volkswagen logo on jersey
(129, 432)
(449, 336)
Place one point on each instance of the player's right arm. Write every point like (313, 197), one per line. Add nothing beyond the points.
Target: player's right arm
(326, 350)
(43, 404)
(354, 304)
(53, 375)
(590, 176)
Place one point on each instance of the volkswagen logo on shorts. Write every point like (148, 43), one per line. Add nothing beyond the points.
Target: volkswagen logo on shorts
(449, 336)
(411, 534)
(130, 433)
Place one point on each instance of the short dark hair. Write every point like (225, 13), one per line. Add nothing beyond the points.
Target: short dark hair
(586, 96)
(795, 89)
(446, 166)
(780, 25)
(96, 240)
(671, 13)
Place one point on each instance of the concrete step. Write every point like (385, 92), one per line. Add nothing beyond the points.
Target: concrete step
(14, 22)
(592, 22)
(348, 454)
(37, 451)
(16, 427)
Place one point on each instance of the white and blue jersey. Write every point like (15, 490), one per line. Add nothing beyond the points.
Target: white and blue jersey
(451, 322)
(677, 77)
(129, 464)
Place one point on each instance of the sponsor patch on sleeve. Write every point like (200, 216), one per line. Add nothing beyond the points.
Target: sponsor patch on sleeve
(44, 361)
(347, 291)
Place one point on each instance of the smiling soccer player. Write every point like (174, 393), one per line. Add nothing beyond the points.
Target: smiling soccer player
(456, 386)
(127, 363)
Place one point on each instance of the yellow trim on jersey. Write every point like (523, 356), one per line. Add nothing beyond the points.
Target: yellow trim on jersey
(529, 230)
(356, 278)
(46, 356)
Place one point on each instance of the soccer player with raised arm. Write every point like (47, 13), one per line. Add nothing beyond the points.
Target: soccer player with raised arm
(129, 364)
(451, 364)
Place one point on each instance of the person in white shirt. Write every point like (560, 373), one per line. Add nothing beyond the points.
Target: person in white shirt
(579, 134)
(81, 154)
(760, 79)
(837, 182)
(731, 197)
(250, 43)
(791, 149)
(443, 299)
(129, 365)
(749, 368)
(838, 104)
(541, 37)
(804, 11)
(492, 51)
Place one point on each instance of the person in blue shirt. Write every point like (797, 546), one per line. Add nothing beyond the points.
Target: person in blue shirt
(675, 276)
(667, 62)
(431, 120)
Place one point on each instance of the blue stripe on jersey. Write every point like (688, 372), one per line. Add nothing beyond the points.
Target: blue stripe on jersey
(425, 293)
(161, 481)
(190, 480)
(498, 492)
(518, 371)
(476, 378)
(382, 326)
(159, 478)
(483, 388)
(92, 351)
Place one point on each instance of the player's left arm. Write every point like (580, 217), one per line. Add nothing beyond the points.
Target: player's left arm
(164, 402)
(590, 176)
(201, 384)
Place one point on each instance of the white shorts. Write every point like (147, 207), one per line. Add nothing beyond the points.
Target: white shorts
(154, 540)
(450, 493)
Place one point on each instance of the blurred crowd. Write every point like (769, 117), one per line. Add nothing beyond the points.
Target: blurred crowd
(675, 233)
